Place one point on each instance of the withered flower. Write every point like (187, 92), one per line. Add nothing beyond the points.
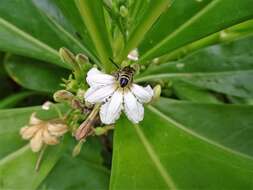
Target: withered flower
(42, 132)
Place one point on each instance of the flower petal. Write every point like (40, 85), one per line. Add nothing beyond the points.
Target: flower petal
(36, 142)
(28, 132)
(97, 78)
(133, 109)
(48, 138)
(99, 94)
(110, 111)
(34, 120)
(144, 95)
(57, 129)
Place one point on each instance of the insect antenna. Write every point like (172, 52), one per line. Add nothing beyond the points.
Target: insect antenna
(115, 64)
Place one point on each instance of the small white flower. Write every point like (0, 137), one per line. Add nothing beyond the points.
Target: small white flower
(106, 89)
(46, 105)
(133, 55)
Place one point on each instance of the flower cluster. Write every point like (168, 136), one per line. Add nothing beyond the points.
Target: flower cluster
(106, 89)
(42, 132)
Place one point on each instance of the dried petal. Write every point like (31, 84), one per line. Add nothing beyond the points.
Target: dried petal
(34, 120)
(48, 138)
(28, 132)
(37, 142)
(57, 129)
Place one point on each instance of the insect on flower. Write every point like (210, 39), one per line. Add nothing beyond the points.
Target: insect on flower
(117, 93)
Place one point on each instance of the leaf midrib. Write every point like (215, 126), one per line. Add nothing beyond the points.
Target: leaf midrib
(193, 74)
(156, 161)
(196, 135)
(29, 38)
(181, 28)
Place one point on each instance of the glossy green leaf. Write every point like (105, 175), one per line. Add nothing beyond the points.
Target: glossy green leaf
(185, 146)
(65, 18)
(192, 93)
(34, 74)
(28, 32)
(224, 68)
(83, 172)
(92, 13)
(188, 21)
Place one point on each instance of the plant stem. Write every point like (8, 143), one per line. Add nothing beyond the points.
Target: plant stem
(232, 33)
(38, 163)
(94, 21)
(155, 9)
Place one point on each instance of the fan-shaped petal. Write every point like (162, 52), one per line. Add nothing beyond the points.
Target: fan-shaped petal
(143, 94)
(110, 111)
(134, 110)
(97, 78)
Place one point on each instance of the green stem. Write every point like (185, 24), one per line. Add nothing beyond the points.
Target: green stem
(94, 21)
(229, 34)
(155, 9)
(38, 163)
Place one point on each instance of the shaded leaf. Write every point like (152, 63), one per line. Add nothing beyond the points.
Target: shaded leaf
(34, 74)
(223, 68)
(199, 19)
(92, 13)
(185, 146)
(31, 37)
(64, 15)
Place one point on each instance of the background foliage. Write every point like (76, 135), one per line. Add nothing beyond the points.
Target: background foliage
(197, 136)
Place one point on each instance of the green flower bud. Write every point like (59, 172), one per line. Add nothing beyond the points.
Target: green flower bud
(83, 62)
(157, 92)
(63, 96)
(123, 11)
(68, 57)
(77, 149)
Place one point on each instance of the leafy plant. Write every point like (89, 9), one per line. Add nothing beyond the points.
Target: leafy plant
(197, 135)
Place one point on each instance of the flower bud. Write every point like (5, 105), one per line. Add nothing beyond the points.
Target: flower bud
(63, 96)
(77, 149)
(47, 105)
(68, 57)
(157, 92)
(123, 11)
(83, 62)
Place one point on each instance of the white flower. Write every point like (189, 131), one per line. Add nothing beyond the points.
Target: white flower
(106, 89)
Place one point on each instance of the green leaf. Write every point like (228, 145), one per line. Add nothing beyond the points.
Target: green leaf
(225, 68)
(185, 146)
(13, 99)
(28, 32)
(188, 21)
(194, 94)
(65, 19)
(92, 13)
(83, 172)
(35, 75)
